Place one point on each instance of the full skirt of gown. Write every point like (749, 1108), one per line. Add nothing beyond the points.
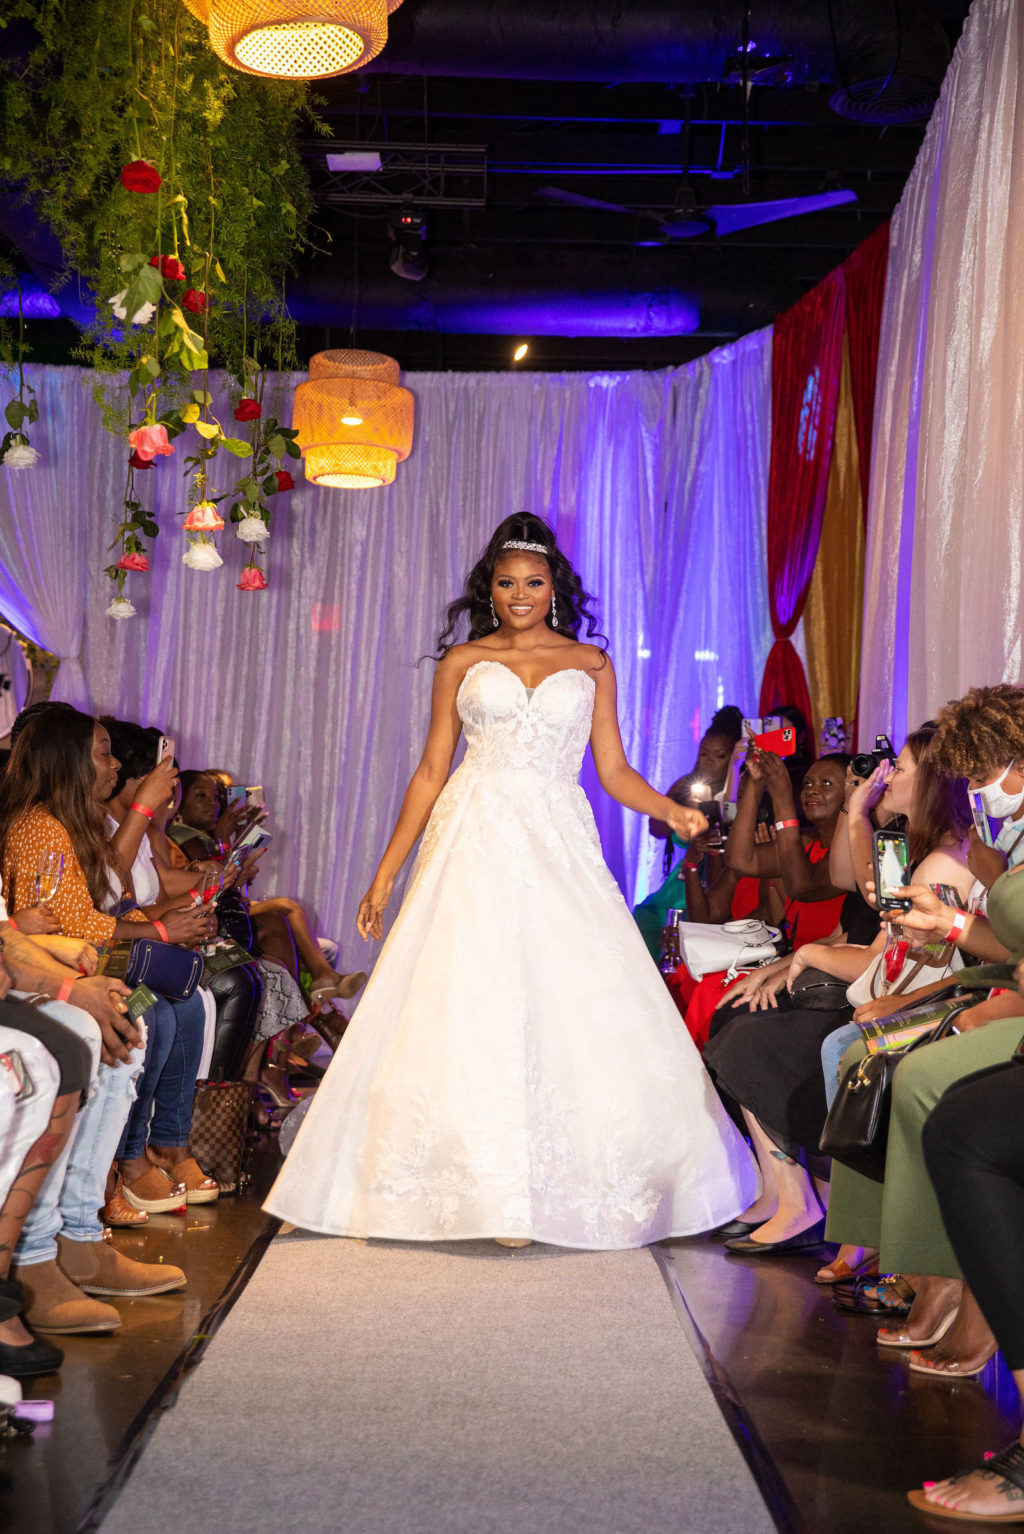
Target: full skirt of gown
(516, 1066)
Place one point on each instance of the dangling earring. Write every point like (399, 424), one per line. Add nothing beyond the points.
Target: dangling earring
(554, 612)
(494, 615)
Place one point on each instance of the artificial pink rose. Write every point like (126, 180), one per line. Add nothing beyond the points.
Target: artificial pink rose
(248, 409)
(170, 267)
(140, 463)
(149, 441)
(140, 176)
(194, 301)
(252, 579)
(284, 479)
(133, 561)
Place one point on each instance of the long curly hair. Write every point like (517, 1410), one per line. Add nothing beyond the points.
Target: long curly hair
(572, 602)
(980, 733)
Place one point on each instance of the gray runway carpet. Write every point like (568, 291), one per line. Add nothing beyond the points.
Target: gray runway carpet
(457, 1389)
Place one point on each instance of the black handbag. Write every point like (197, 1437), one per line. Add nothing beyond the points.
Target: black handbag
(856, 1131)
(167, 968)
(815, 991)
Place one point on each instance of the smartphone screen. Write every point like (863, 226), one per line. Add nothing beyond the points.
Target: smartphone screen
(892, 869)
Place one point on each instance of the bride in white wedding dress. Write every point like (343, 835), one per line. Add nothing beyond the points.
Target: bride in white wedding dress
(516, 1067)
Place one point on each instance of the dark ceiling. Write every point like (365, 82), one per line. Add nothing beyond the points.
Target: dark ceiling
(487, 114)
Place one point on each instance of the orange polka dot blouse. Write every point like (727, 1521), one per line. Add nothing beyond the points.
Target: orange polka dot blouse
(35, 832)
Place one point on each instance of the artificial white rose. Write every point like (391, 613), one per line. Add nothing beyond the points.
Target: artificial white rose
(201, 556)
(253, 530)
(140, 317)
(120, 607)
(20, 455)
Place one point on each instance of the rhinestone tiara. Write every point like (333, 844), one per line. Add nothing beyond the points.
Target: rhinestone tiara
(529, 548)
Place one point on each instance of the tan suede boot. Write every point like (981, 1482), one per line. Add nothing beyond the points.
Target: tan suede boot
(99, 1268)
(54, 1304)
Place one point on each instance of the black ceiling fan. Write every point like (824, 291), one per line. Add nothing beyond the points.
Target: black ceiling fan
(689, 219)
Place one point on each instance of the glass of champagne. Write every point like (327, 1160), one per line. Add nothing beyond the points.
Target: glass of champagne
(48, 871)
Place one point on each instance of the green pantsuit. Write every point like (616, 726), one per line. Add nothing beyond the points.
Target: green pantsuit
(900, 1217)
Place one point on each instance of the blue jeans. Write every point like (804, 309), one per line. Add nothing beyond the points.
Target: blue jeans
(173, 1052)
(832, 1052)
(73, 1193)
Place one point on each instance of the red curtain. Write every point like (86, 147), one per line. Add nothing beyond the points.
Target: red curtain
(865, 289)
(807, 353)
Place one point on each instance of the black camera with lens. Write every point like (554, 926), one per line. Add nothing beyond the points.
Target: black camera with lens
(866, 762)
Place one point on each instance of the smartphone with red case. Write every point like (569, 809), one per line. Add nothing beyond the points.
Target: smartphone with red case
(779, 742)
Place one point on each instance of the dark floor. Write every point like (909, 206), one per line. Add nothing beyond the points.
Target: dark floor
(47, 1482)
(845, 1428)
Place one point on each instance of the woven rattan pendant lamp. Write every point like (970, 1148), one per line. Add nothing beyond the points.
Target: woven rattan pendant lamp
(354, 420)
(295, 39)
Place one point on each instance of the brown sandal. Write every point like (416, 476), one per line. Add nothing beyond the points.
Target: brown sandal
(117, 1211)
(155, 1192)
(199, 1189)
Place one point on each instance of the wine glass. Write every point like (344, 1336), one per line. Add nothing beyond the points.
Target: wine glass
(48, 871)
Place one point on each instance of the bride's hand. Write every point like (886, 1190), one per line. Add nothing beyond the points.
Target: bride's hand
(370, 920)
(685, 823)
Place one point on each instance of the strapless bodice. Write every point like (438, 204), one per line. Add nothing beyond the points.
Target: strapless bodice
(510, 727)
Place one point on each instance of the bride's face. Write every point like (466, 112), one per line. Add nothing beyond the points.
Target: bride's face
(521, 591)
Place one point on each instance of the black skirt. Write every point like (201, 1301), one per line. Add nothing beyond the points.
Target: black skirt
(770, 1063)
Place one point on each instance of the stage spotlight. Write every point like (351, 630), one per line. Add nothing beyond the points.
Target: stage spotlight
(408, 256)
(520, 351)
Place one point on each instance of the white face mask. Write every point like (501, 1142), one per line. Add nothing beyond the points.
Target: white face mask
(996, 802)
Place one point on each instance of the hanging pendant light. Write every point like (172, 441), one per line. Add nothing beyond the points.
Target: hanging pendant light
(354, 421)
(295, 39)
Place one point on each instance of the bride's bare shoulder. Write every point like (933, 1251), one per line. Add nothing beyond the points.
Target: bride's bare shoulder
(591, 657)
(455, 662)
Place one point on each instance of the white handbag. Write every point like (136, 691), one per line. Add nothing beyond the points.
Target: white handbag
(733, 946)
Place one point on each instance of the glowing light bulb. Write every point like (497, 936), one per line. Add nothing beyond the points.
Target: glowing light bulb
(520, 352)
(699, 791)
(351, 420)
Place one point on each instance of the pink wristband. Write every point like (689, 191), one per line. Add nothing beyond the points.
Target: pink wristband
(956, 930)
(161, 931)
(12, 923)
(141, 809)
(786, 825)
(65, 990)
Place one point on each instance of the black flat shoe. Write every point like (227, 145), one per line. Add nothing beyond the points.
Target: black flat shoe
(12, 1299)
(749, 1248)
(737, 1228)
(33, 1358)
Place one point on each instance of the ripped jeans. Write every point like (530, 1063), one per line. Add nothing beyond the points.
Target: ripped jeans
(73, 1193)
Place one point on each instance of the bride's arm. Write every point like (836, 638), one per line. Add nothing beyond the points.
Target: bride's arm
(421, 795)
(617, 777)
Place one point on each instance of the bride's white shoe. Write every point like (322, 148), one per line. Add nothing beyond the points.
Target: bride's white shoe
(515, 1241)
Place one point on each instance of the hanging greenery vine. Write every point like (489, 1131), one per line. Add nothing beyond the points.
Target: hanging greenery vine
(177, 193)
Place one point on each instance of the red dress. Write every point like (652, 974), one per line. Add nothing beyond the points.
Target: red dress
(807, 921)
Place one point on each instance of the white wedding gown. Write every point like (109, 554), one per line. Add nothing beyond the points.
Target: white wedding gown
(516, 1066)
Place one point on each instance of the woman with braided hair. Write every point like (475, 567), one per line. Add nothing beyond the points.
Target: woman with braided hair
(516, 1068)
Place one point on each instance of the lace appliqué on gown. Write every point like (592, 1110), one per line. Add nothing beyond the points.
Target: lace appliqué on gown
(516, 1066)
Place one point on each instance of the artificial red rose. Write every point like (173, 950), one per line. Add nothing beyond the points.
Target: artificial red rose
(248, 409)
(148, 441)
(140, 463)
(140, 176)
(252, 579)
(170, 267)
(194, 301)
(284, 479)
(133, 561)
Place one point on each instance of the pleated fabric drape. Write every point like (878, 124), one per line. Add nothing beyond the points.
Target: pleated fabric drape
(806, 364)
(313, 688)
(944, 592)
(832, 617)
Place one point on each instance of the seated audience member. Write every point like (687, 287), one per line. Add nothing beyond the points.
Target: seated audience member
(981, 738)
(710, 772)
(35, 1124)
(770, 1062)
(283, 930)
(810, 908)
(158, 887)
(974, 1153)
(51, 800)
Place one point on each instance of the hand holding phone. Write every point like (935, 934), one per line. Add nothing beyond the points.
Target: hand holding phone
(165, 748)
(891, 858)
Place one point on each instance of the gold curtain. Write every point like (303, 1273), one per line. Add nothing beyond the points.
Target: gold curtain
(832, 617)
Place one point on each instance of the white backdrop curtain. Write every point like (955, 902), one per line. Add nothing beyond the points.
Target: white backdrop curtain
(944, 603)
(312, 688)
